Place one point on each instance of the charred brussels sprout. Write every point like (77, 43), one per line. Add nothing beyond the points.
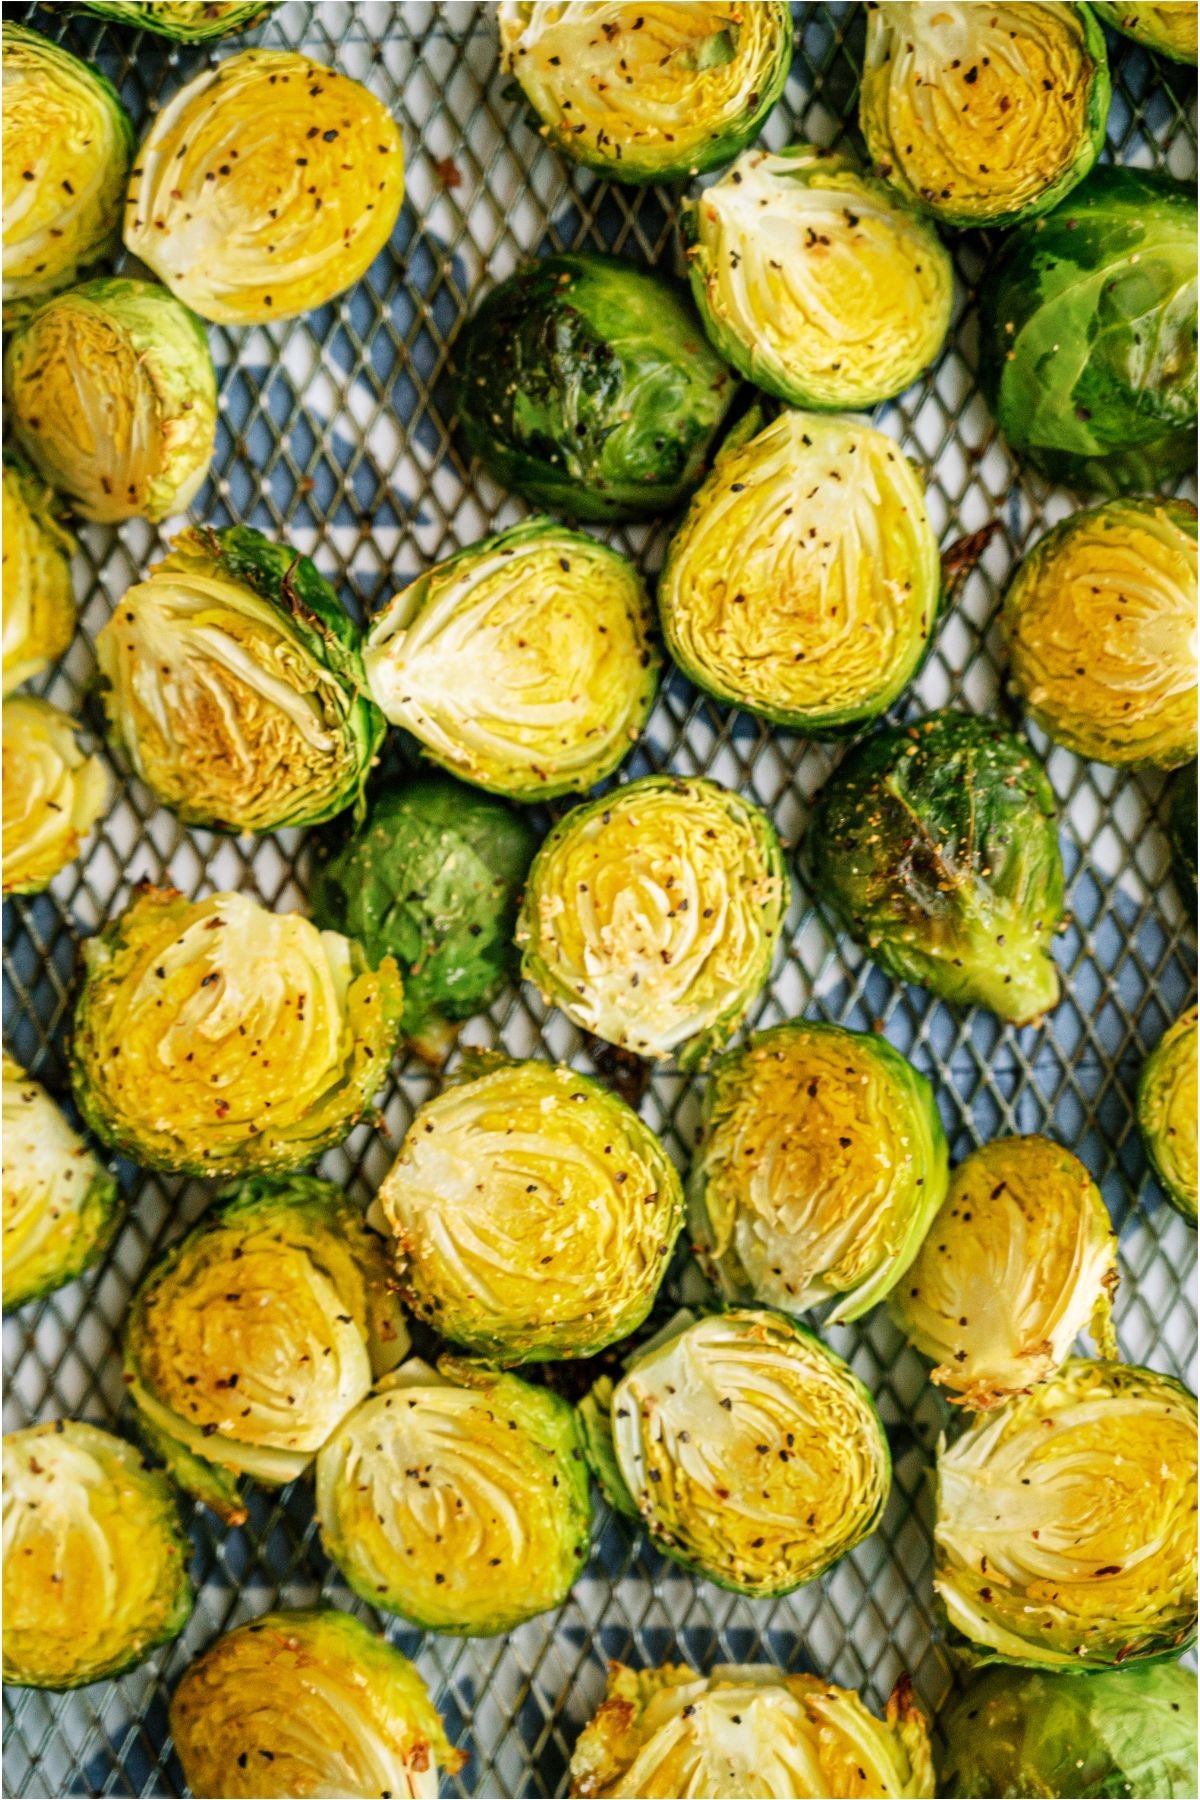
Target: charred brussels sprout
(95, 1559)
(234, 685)
(39, 601)
(187, 21)
(1166, 1113)
(215, 1038)
(586, 384)
(534, 1214)
(53, 793)
(1181, 823)
(1100, 621)
(936, 847)
(1169, 29)
(523, 663)
(1066, 1522)
(804, 581)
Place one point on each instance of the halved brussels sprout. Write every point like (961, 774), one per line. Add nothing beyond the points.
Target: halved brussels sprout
(983, 115)
(68, 144)
(522, 663)
(308, 1702)
(53, 793)
(751, 1453)
(534, 1214)
(804, 581)
(1087, 353)
(648, 92)
(1021, 1258)
(821, 1162)
(815, 280)
(114, 399)
(234, 685)
(213, 1037)
(1169, 29)
(457, 1497)
(1166, 1113)
(265, 187)
(95, 1559)
(651, 915)
(746, 1730)
(1100, 621)
(586, 384)
(1066, 1522)
(187, 21)
(1181, 823)
(936, 847)
(39, 600)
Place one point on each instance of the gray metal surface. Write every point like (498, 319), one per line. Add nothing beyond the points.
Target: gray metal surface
(336, 429)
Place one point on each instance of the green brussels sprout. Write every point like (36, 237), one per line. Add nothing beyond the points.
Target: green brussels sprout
(39, 600)
(820, 1165)
(457, 1497)
(936, 847)
(221, 204)
(815, 280)
(522, 663)
(943, 85)
(95, 1558)
(750, 1452)
(648, 92)
(1167, 1106)
(804, 581)
(1065, 1534)
(252, 1339)
(68, 144)
(534, 1214)
(587, 385)
(1170, 29)
(234, 684)
(1021, 1258)
(187, 21)
(114, 399)
(1100, 622)
(651, 915)
(1181, 823)
(308, 1702)
(213, 1037)
(53, 793)
(1088, 335)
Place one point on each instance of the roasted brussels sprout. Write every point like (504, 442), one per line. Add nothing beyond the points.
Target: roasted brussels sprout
(983, 115)
(457, 1497)
(815, 280)
(648, 92)
(1021, 1258)
(751, 1453)
(586, 384)
(1166, 1113)
(1100, 621)
(95, 1559)
(215, 1038)
(651, 915)
(1088, 335)
(821, 1163)
(935, 845)
(522, 663)
(265, 187)
(1066, 1522)
(53, 793)
(188, 21)
(1181, 823)
(1169, 29)
(39, 601)
(114, 399)
(308, 1703)
(234, 685)
(748, 1730)
(804, 580)
(68, 143)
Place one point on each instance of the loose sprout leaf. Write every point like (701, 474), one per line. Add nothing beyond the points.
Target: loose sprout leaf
(1167, 1108)
(54, 793)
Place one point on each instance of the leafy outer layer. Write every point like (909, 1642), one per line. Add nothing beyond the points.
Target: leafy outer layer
(187, 21)
(1169, 29)
(39, 600)
(54, 793)
(1166, 1112)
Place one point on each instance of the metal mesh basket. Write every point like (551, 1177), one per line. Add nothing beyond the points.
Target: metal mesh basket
(336, 431)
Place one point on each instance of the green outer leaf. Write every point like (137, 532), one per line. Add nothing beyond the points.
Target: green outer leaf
(595, 1422)
(163, 17)
(1132, 22)
(1181, 824)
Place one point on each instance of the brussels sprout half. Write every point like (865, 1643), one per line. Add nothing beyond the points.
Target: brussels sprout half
(1181, 824)
(648, 92)
(586, 384)
(53, 793)
(213, 1037)
(308, 1702)
(234, 685)
(187, 21)
(1169, 29)
(39, 600)
(1065, 1534)
(936, 848)
(1166, 1113)
(265, 187)
(522, 663)
(95, 1558)
(804, 581)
